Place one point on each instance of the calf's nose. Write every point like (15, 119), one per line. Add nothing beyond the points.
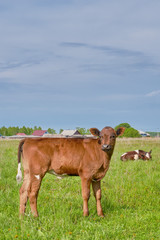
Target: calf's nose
(106, 147)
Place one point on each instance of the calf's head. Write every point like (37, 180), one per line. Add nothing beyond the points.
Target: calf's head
(107, 137)
(147, 155)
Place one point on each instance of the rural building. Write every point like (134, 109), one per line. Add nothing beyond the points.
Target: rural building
(39, 133)
(21, 134)
(69, 133)
(143, 134)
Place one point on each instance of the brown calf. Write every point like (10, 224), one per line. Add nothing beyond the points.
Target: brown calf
(88, 158)
(135, 155)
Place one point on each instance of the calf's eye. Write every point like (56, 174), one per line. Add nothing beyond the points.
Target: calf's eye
(112, 137)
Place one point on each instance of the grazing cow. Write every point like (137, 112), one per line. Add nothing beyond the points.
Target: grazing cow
(135, 155)
(88, 158)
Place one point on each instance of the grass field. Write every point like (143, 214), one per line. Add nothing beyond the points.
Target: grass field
(130, 200)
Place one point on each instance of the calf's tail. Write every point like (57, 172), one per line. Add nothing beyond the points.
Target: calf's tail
(20, 150)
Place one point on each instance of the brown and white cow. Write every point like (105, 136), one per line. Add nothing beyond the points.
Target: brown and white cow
(135, 155)
(88, 158)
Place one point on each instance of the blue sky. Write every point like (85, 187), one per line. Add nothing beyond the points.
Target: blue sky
(69, 63)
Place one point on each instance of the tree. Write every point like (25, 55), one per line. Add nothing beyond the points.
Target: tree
(23, 130)
(126, 125)
(83, 131)
(129, 131)
(60, 131)
(29, 131)
(3, 131)
(37, 128)
(51, 131)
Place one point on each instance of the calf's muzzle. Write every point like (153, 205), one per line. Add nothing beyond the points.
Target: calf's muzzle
(106, 147)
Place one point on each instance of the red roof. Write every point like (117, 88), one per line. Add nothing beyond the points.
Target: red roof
(21, 134)
(39, 132)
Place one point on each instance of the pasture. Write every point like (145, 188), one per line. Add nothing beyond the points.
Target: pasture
(130, 200)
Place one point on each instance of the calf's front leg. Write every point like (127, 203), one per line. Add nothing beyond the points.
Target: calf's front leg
(85, 194)
(97, 193)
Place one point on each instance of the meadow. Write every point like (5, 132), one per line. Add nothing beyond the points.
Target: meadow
(130, 200)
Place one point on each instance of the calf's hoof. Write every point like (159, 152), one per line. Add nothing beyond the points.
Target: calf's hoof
(86, 214)
(100, 214)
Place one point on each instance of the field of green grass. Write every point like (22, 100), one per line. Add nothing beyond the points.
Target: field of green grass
(130, 200)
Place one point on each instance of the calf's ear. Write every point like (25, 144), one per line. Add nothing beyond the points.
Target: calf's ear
(120, 131)
(94, 131)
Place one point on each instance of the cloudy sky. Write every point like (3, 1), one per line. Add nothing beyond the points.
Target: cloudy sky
(70, 63)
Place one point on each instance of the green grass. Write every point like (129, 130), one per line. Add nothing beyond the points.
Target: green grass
(130, 200)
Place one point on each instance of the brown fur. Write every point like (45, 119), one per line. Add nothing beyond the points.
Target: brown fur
(71, 156)
(134, 155)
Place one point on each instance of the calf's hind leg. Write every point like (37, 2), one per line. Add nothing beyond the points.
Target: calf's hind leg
(35, 183)
(97, 193)
(24, 192)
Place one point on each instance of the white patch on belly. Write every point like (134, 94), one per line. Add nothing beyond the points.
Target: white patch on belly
(59, 176)
(147, 155)
(37, 176)
(137, 151)
(136, 157)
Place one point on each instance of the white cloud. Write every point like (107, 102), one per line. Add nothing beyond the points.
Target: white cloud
(153, 93)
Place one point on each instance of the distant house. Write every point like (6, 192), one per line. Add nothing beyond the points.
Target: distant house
(21, 134)
(69, 133)
(143, 134)
(39, 133)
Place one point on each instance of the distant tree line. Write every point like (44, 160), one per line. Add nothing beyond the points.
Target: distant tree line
(10, 131)
(129, 131)
(154, 134)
